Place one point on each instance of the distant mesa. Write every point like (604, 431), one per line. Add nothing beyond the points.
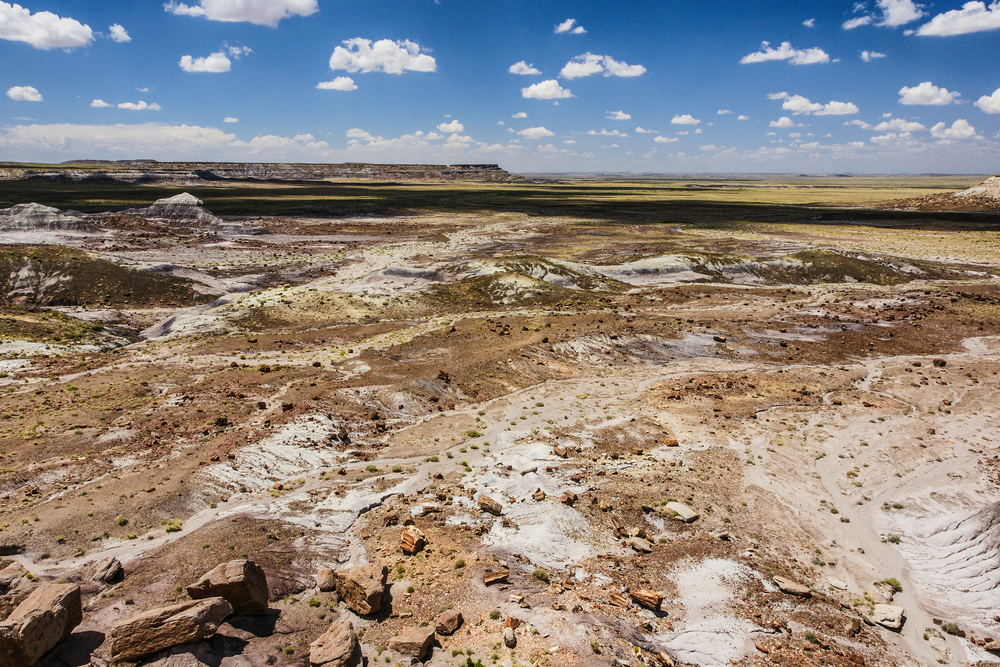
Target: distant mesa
(988, 189)
(37, 217)
(181, 209)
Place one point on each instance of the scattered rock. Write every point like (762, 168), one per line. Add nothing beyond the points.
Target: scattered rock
(362, 587)
(337, 647)
(241, 582)
(888, 616)
(538, 495)
(159, 629)
(792, 588)
(415, 642)
(412, 540)
(45, 618)
(509, 638)
(618, 600)
(640, 545)
(108, 571)
(647, 598)
(487, 504)
(682, 512)
(449, 622)
(495, 576)
(325, 580)
(837, 583)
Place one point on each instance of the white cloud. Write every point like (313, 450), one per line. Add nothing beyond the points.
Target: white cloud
(801, 105)
(709, 147)
(618, 115)
(723, 112)
(43, 30)
(452, 127)
(857, 22)
(640, 130)
(215, 63)
(230, 119)
(99, 104)
(259, 12)
(239, 51)
(570, 141)
(686, 119)
(523, 68)
(809, 23)
(897, 125)
(589, 64)
(546, 90)
(344, 83)
(385, 55)
(520, 114)
(927, 94)
(139, 106)
(567, 26)
(784, 121)
(119, 34)
(960, 129)
(665, 140)
(972, 17)
(990, 103)
(536, 133)
(869, 56)
(24, 94)
(606, 133)
(357, 133)
(143, 90)
(811, 56)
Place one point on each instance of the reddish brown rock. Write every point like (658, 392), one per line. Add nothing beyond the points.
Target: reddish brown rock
(337, 647)
(415, 642)
(412, 540)
(449, 622)
(159, 629)
(487, 504)
(362, 587)
(45, 618)
(241, 582)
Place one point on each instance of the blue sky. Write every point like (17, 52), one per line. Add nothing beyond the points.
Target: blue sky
(882, 86)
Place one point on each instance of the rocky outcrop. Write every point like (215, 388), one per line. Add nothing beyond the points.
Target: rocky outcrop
(108, 571)
(45, 618)
(183, 209)
(415, 642)
(988, 189)
(337, 647)
(159, 629)
(362, 587)
(15, 586)
(36, 217)
(241, 582)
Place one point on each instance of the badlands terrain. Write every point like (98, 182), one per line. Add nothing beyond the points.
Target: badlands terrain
(743, 421)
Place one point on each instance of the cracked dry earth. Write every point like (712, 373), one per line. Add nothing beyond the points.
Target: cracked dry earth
(829, 416)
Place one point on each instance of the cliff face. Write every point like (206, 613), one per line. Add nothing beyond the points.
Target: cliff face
(195, 173)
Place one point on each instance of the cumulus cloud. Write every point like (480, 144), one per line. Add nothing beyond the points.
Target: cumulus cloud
(606, 133)
(857, 22)
(640, 130)
(344, 83)
(972, 17)
(686, 119)
(869, 56)
(536, 133)
(230, 119)
(723, 112)
(798, 105)
(385, 55)
(546, 90)
(809, 23)
(743, 118)
(665, 140)
(618, 115)
(784, 121)
(42, 30)
(896, 125)
(24, 94)
(567, 26)
(99, 104)
(589, 64)
(452, 127)
(927, 94)
(519, 114)
(811, 56)
(990, 103)
(523, 68)
(139, 106)
(259, 12)
(959, 130)
(118, 34)
(892, 13)
(216, 63)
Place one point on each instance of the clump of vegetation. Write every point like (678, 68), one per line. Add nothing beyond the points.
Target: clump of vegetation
(892, 539)
(496, 615)
(172, 525)
(893, 583)
(473, 433)
(541, 575)
(121, 521)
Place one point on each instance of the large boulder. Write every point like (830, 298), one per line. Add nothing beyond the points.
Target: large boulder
(241, 582)
(45, 618)
(449, 622)
(888, 616)
(159, 629)
(108, 571)
(362, 587)
(15, 586)
(337, 647)
(415, 642)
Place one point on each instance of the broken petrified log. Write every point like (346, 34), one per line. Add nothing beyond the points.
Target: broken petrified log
(495, 576)
(42, 620)
(792, 587)
(412, 540)
(160, 629)
(487, 504)
(362, 587)
(108, 571)
(647, 598)
(241, 582)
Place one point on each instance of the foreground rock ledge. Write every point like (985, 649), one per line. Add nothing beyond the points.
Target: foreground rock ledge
(45, 618)
(160, 629)
(241, 582)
